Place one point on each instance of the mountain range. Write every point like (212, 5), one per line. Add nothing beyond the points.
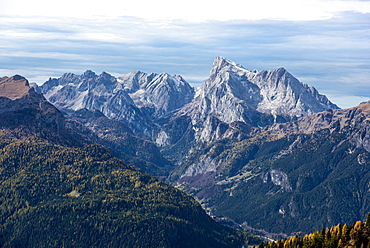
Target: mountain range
(59, 189)
(144, 101)
(258, 149)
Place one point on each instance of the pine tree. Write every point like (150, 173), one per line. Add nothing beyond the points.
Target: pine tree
(328, 235)
(367, 223)
(345, 234)
(340, 244)
(260, 245)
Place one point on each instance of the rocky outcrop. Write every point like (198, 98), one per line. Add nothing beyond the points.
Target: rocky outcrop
(234, 94)
(282, 94)
(136, 98)
(148, 101)
(26, 111)
(14, 87)
(16, 96)
(157, 93)
(278, 178)
(355, 122)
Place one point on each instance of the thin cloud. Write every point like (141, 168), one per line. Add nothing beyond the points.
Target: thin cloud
(190, 10)
(328, 54)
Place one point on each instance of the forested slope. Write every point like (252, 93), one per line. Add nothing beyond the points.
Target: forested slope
(57, 189)
(55, 196)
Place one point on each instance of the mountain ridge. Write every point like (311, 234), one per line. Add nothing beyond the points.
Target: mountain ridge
(283, 169)
(14, 87)
(231, 93)
(30, 113)
(253, 146)
(55, 193)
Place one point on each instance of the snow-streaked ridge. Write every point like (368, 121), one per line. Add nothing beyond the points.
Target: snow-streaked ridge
(230, 94)
(134, 98)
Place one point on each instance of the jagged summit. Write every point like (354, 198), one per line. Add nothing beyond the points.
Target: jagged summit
(133, 98)
(221, 62)
(230, 94)
(233, 94)
(278, 92)
(232, 88)
(158, 93)
(88, 74)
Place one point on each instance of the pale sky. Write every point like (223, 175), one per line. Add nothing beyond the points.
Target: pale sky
(191, 10)
(323, 43)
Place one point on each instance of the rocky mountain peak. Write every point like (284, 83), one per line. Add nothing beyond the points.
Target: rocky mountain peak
(364, 107)
(234, 94)
(134, 98)
(21, 105)
(222, 62)
(18, 77)
(106, 76)
(230, 94)
(88, 74)
(14, 87)
(67, 78)
(135, 80)
(159, 93)
(218, 64)
(283, 94)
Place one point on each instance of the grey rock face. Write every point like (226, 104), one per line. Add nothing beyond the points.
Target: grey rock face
(359, 119)
(159, 93)
(96, 92)
(234, 94)
(204, 166)
(278, 178)
(225, 95)
(229, 95)
(283, 94)
(134, 98)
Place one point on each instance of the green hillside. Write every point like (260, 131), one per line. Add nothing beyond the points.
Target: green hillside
(55, 196)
